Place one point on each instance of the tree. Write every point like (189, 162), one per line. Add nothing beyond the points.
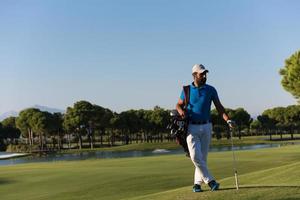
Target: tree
(142, 124)
(242, 119)
(77, 119)
(38, 124)
(2, 145)
(276, 114)
(267, 123)
(148, 125)
(57, 128)
(219, 125)
(286, 119)
(99, 122)
(106, 124)
(292, 119)
(9, 128)
(69, 124)
(124, 123)
(159, 118)
(256, 126)
(291, 75)
(23, 122)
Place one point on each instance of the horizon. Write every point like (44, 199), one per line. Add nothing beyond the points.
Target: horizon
(15, 113)
(137, 55)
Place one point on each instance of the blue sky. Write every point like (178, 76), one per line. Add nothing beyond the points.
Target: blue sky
(124, 54)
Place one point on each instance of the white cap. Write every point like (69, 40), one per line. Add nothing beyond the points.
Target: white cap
(199, 68)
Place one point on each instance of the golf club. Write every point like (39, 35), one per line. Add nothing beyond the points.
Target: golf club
(234, 161)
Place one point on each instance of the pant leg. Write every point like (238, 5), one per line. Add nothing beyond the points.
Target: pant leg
(197, 177)
(205, 140)
(194, 142)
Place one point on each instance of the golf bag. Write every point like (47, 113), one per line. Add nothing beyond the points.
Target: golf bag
(178, 125)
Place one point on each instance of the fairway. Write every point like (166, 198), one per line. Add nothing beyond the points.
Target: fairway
(264, 174)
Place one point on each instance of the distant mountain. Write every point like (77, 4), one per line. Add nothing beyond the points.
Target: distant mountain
(11, 113)
(48, 109)
(41, 108)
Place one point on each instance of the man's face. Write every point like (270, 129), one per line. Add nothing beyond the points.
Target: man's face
(200, 78)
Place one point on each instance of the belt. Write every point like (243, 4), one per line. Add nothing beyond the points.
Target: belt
(200, 122)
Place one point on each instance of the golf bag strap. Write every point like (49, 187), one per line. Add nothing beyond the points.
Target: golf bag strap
(186, 90)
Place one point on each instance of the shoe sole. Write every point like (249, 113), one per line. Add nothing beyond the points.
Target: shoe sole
(197, 190)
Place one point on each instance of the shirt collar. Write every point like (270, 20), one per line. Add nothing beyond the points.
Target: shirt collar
(194, 87)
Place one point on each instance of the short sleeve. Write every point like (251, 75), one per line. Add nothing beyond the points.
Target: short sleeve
(182, 95)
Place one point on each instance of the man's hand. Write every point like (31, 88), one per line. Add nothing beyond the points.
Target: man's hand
(181, 113)
(231, 123)
(179, 107)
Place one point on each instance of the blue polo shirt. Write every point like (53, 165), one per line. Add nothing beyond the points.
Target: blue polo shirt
(200, 102)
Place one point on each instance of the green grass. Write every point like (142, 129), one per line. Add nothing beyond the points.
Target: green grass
(129, 147)
(250, 140)
(273, 183)
(271, 173)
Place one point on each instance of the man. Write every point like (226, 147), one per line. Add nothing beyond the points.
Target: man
(200, 127)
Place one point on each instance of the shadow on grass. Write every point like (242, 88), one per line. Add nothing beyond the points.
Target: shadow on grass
(261, 187)
(5, 181)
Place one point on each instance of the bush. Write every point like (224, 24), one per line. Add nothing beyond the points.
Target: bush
(2, 145)
(21, 148)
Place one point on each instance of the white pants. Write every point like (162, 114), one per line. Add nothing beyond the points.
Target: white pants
(198, 141)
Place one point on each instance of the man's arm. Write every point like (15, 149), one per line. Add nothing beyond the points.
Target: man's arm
(179, 107)
(221, 109)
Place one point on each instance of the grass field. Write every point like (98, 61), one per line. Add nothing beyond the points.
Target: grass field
(271, 173)
(250, 140)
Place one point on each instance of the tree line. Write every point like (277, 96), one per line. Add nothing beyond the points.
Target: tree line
(279, 120)
(82, 124)
(86, 125)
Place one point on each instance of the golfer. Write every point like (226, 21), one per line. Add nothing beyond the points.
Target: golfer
(200, 127)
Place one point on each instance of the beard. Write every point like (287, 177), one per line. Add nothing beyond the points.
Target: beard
(201, 81)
